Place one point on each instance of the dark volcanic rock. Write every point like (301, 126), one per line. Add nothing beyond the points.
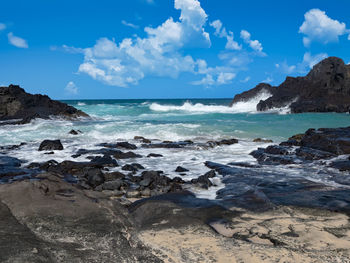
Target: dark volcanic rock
(154, 155)
(313, 154)
(142, 139)
(248, 95)
(336, 141)
(180, 169)
(49, 145)
(17, 107)
(270, 159)
(222, 142)
(203, 180)
(262, 140)
(341, 165)
(105, 160)
(95, 177)
(325, 89)
(75, 132)
(124, 145)
(127, 155)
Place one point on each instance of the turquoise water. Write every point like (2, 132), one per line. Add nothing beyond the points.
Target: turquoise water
(197, 120)
(203, 118)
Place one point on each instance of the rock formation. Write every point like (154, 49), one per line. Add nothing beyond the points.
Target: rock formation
(17, 106)
(325, 89)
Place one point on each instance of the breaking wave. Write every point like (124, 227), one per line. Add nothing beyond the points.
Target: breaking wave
(239, 107)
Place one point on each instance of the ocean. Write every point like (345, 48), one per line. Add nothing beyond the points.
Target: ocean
(199, 120)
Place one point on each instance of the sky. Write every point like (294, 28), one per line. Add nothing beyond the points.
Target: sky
(143, 49)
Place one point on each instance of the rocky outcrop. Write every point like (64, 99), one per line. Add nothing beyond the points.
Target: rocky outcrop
(325, 89)
(17, 107)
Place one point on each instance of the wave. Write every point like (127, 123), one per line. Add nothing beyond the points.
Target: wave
(239, 107)
(81, 104)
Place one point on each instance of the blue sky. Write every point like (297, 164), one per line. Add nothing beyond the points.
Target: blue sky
(164, 48)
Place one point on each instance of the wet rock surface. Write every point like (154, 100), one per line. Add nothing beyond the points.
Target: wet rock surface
(130, 204)
(49, 145)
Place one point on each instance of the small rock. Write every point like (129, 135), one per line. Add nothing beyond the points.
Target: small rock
(113, 176)
(112, 185)
(75, 132)
(127, 155)
(146, 182)
(154, 155)
(180, 169)
(142, 139)
(49, 145)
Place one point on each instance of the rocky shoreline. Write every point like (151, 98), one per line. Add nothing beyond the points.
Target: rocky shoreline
(326, 88)
(89, 212)
(19, 107)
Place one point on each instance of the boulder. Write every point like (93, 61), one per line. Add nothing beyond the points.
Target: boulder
(48, 145)
(180, 169)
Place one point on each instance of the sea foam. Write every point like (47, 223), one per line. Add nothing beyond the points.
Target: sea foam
(239, 107)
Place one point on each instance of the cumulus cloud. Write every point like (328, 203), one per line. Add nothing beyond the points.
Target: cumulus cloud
(129, 24)
(221, 32)
(17, 41)
(71, 88)
(317, 26)
(2, 26)
(158, 54)
(163, 51)
(254, 44)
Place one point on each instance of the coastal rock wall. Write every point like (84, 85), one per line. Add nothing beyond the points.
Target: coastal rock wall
(17, 106)
(326, 88)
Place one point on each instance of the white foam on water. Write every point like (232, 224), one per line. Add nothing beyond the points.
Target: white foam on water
(239, 107)
(81, 104)
(250, 105)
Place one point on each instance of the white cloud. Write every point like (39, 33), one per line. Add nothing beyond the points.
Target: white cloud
(17, 41)
(71, 88)
(303, 67)
(245, 80)
(158, 54)
(2, 26)
(317, 26)
(309, 61)
(221, 32)
(164, 52)
(254, 44)
(150, 2)
(285, 68)
(129, 24)
(214, 75)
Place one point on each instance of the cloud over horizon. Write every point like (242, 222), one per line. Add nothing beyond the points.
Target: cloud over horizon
(163, 53)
